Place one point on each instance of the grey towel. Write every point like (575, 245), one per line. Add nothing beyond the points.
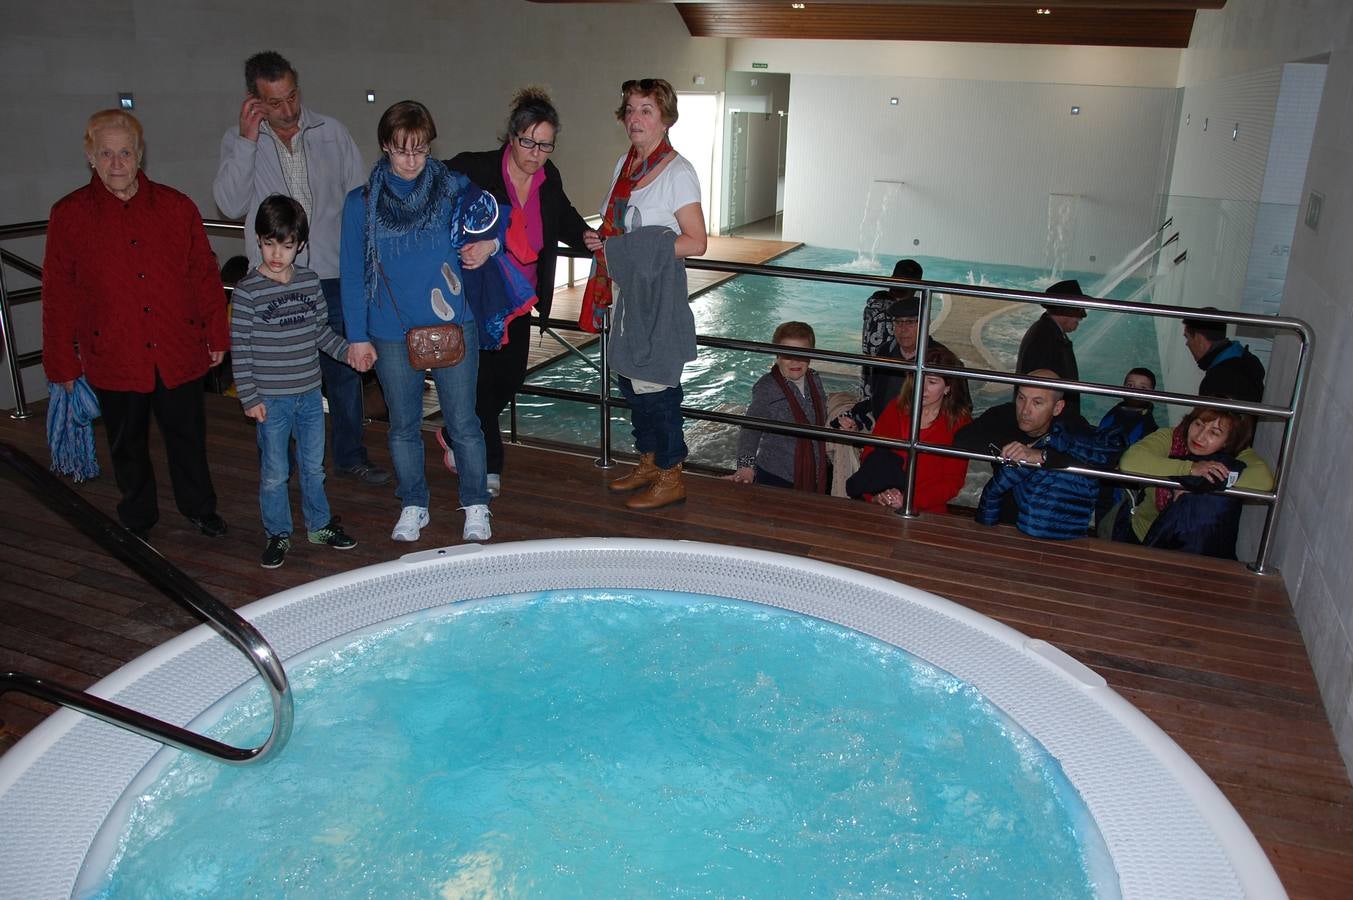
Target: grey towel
(652, 329)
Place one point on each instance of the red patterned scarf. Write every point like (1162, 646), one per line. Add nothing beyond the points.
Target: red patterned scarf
(1179, 449)
(810, 469)
(597, 296)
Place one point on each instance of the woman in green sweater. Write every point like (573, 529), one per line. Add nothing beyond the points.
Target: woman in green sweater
(1207, 452)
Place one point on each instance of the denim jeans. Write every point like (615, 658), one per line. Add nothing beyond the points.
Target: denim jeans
(300, 416)
(343, 387)
(656, 423)
(403, 388)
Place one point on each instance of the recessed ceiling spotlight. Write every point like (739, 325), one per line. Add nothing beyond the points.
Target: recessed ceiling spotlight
(796, 6)
(1043, 11)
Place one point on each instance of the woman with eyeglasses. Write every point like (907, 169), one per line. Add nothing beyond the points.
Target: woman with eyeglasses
(651, 222)
(521, 177)
(410, 235)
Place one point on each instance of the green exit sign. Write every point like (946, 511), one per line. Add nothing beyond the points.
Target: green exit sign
(760, 65)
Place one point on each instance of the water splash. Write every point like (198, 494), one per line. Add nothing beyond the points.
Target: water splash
(871, 222)
(1062, 210)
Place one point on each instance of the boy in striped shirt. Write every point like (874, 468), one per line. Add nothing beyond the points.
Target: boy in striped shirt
(278, 326)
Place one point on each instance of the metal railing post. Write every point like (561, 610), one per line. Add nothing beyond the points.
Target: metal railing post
(917, 386)
(604, 393)
(1260, 565)
(21, 410)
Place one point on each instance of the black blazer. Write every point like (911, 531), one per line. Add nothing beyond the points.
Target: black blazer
(559, 220)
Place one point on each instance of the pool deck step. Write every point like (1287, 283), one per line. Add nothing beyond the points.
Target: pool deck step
(1205, 648)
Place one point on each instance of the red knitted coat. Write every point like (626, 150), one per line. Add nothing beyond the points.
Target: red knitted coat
(128, 288)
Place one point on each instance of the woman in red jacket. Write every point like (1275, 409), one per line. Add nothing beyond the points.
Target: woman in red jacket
(946, 406)
(131, 300)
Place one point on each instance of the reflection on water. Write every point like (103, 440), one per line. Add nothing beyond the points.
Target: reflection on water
(985, 334)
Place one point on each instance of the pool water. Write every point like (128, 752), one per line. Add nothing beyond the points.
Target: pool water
(615, 744)
(749, 307)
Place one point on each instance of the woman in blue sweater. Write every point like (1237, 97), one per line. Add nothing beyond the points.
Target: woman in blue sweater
(408, 236)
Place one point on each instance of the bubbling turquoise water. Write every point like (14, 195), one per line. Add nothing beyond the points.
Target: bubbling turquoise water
(586, 744)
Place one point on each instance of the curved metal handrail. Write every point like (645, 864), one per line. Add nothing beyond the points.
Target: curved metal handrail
(177, 586)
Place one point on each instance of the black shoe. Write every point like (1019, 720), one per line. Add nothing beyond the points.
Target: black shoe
(276, 552)
(366, 473)
(332, 535)
(211, 524)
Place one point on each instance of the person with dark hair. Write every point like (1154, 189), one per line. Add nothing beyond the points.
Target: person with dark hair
(1046, 345)
(877, 334)
(278, 326)
(904, 311)
(283, 147)
(131, 301)
(530, 189)
(946, 406)
(410, 236)
(1131, 420)
(652, 220)
(1229, 368)
(1207, 452)
(790, 392)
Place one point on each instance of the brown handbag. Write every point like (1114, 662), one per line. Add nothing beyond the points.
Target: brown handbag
(429, 346)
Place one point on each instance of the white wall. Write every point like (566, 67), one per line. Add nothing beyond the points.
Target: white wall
(61, 60)
(979, 160)
(1316, 528)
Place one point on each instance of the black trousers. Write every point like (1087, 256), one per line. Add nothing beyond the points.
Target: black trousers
(183, 424)
(501, 372)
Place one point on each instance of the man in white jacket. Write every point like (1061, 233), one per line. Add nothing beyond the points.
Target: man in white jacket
(280, 147)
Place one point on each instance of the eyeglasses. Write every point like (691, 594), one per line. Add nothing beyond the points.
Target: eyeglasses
(277, 102)
(543, 146)
(409, 153)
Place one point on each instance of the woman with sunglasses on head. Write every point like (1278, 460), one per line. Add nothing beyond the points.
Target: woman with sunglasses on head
(651, 222)
(521, 177)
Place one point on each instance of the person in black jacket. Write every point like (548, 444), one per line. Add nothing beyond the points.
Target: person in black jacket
(1229, 369)
(522, 178)
(1046, 345)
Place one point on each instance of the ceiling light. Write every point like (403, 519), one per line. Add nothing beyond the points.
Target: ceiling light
(796, 6)
(1043, 11)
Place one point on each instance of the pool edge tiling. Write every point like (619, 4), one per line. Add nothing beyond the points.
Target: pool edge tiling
(1169, 830)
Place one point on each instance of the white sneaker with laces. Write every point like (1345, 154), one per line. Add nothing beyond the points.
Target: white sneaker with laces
(476, 523)
(410, 524)
(495, 484)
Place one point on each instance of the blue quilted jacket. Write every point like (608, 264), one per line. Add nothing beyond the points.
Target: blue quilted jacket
(1052, 503)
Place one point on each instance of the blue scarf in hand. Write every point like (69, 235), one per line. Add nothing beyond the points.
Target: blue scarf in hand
(70, 430)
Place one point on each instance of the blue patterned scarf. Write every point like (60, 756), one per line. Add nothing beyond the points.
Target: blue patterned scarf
(424, 209)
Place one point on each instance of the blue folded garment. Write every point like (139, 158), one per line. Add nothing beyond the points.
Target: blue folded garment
(70, 430)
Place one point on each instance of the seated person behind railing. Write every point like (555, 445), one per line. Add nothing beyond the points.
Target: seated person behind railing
(877, 333)
(1207, 452)
(886, 383)
(789, 392)
(1035, 438)
(945, 408)
(1133, 420)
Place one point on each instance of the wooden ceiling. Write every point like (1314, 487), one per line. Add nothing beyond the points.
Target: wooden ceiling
(1110, 23)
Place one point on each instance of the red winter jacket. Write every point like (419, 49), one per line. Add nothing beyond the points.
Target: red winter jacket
(129, 288)
(938, 478)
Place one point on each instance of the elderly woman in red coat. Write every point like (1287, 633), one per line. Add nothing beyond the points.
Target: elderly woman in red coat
(131, 300)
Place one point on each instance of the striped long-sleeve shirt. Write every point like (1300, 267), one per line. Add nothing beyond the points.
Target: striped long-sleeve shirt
(277, 331)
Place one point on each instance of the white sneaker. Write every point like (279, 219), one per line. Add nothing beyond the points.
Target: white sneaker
(495, 484)
(476, 523)
(410, 524)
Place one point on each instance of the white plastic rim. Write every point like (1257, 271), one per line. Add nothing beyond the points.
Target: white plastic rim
(1170, 832)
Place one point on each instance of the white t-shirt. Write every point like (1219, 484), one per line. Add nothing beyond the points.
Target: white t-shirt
(656, 203)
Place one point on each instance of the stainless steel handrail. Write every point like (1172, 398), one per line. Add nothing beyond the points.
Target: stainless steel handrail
(177, 586)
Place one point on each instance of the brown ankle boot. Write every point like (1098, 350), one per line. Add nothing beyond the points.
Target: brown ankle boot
(641, 475)
(665, 490)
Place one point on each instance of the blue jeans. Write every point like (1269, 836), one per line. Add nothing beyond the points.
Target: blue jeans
(456, 393)
(300, 416)
(343, 387)
(656, 423)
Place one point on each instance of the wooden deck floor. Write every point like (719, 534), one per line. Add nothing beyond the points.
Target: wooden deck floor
(1207, 650)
